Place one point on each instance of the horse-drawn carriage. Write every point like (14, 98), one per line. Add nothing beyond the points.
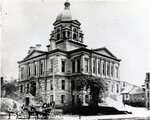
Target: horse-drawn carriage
(35, 111)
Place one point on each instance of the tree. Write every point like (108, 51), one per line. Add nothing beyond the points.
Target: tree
(95, 86)
(10, 88)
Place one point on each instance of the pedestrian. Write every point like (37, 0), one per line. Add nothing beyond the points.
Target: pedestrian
(9, 112)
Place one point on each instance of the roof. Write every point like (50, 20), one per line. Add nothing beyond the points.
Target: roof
(100, 50)
(128, 89)
(136, 90)
(66, 14)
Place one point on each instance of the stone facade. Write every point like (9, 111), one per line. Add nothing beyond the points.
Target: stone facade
(48, 72)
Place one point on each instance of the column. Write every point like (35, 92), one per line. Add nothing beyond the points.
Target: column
(110, 64)
(118, 72)
(75, 65)
(105, 68)
(100, 67)
(113, 70)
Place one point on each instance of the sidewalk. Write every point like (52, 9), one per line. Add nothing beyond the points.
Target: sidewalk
(135, 110)
(102, 117)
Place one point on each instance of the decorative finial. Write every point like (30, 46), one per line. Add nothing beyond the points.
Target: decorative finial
(67, 5)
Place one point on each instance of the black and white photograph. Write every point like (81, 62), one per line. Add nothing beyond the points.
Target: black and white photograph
(75, 60)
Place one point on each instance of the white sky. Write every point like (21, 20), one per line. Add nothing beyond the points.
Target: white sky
(121, 26)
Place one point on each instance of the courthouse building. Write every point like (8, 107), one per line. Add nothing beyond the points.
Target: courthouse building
(48, 72)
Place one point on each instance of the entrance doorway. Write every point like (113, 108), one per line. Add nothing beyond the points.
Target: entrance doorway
(33, 88)
(27, 101)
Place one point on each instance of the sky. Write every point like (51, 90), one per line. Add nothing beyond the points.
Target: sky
(121, 26)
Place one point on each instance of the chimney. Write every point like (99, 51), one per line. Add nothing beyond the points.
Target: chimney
(31, 49)
(48, 47)
(38, 46)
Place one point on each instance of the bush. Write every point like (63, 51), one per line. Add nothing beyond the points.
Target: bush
(92, 110)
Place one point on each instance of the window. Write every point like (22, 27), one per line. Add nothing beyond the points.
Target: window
(51, 98)
(58, 30)
(51, 65)
(99, 67)
(35, 69)
(78, 65)
(73, 85)
(124, 84)
(74, 36)
(117, 88)
(51, 84)
(63, 66)
(73, 99)
(147, 85)
(94, 66)
(68, 34)
(108, 69)
(117, 72)
(106, 86)
(41, 68)
(147, 76)
(86, 98)
(22, 70)
(63, 85)
(64, 34)
(29, 70)
(86, 65)
(112, 71)
(103, 68)
(21, 89)
(73, 66)
(62, 98)
(112, 88)
(78, 99)
(45, 84)
(126, 96)
(58, 36)
(148, 95)
(28, 88)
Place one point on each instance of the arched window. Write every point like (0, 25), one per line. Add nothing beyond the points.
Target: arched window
(64, 34)
(74, 36)
(117, 88)
(74, 30)
(68, 34)
(58, 36)
(58, 30)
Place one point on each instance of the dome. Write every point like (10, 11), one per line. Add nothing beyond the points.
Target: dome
(66, 14)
